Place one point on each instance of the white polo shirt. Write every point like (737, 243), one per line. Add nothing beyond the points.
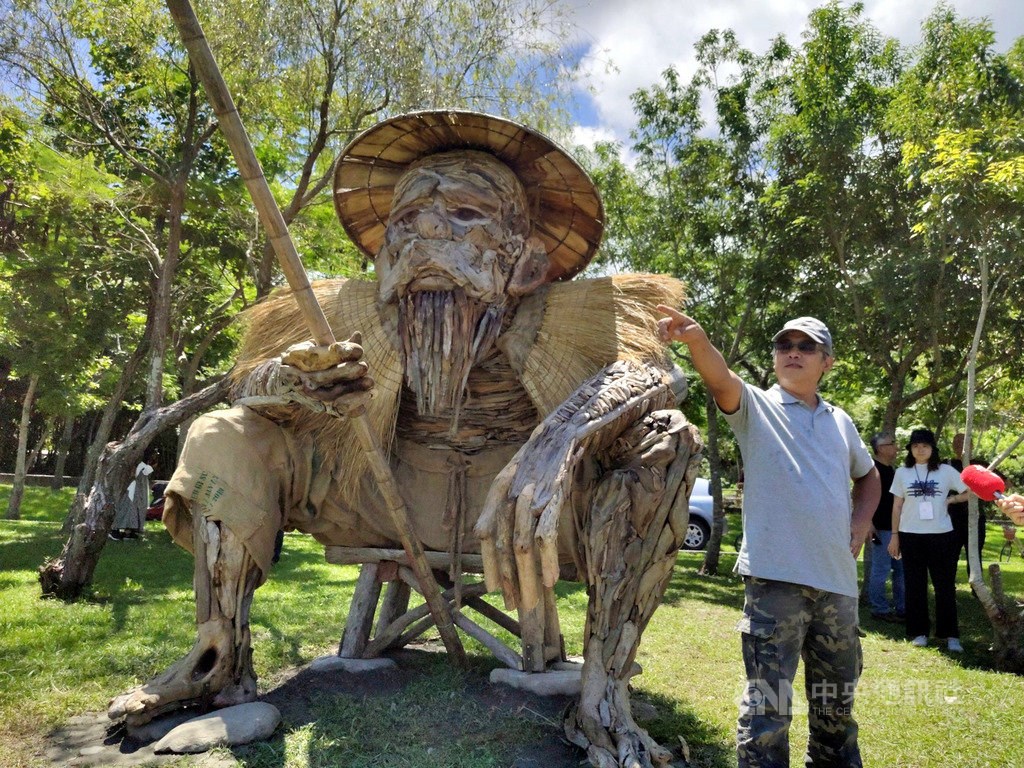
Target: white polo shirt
(797, 463)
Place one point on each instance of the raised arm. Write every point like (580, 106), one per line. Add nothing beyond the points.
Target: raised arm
(725, 386)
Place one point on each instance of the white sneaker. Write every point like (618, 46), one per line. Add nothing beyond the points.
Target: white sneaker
(954, 645)
(920, 641)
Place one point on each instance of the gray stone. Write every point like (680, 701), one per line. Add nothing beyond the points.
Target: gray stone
(573, 662)
(94, 750)
(562, 678)
(555, 682)
(159, 727)
(331, 663)
(643, 711)
(227, 727)
(576, 662)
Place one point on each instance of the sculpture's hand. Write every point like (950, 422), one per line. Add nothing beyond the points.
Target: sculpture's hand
(333, 374)
(519, 523)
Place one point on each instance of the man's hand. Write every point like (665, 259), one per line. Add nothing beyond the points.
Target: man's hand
(1012, 506)
(726, 387)
(859, 536)
(894, 546)
(331, 374)
(678, 327)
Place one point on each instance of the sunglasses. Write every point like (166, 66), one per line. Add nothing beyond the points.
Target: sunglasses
(785, 345)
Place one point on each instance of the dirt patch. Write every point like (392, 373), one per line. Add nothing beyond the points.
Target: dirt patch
(302, 695)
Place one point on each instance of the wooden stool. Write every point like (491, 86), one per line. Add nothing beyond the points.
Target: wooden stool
(538, 630)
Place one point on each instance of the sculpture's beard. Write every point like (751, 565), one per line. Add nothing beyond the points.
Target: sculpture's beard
(443, 335)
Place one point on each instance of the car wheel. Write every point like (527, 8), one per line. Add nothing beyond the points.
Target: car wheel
(697, 534)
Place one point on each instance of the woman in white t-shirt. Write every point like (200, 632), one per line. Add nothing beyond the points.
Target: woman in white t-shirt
(923, 536)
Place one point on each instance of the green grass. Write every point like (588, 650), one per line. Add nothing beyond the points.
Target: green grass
(917, 708)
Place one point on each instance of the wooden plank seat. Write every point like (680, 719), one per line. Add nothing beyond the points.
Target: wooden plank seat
(538, 631)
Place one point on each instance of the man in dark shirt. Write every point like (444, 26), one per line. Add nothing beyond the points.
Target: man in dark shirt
(883, 446)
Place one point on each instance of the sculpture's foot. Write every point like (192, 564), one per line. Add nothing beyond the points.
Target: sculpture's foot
(214, 673)
(604, 727)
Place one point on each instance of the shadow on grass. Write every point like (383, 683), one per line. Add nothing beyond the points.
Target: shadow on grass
(725, 588)
(706, 743)
(426, 713)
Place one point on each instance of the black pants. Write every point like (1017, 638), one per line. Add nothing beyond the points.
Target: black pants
(930, 555)
(960, 529)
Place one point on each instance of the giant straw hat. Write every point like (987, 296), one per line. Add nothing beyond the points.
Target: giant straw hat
(565, 207)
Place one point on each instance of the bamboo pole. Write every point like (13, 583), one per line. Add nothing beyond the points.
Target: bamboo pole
(273, 221)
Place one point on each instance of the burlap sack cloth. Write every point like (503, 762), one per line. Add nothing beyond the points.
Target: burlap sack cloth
(247, 472)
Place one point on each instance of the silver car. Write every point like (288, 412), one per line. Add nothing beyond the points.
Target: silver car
(702, 509)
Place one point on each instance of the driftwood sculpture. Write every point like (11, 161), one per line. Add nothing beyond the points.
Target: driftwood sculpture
(529, 420)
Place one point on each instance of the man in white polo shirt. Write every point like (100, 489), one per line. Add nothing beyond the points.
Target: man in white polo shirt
(802, 532)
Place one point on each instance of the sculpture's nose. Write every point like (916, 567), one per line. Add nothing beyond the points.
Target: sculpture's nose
(432, 224)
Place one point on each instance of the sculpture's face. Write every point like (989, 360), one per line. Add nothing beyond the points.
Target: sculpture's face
(457, 255)
(459, 220)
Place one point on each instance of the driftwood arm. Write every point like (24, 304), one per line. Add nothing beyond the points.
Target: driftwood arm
(519, 522)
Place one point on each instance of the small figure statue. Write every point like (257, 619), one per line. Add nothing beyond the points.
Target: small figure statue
(527, 417)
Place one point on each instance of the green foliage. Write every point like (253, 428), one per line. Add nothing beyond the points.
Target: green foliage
(61, 289)
(847, 178)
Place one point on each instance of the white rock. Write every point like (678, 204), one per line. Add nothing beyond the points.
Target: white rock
(563, 678)
(331, 663)
(565, 682)
(226, 727)
(159, 727)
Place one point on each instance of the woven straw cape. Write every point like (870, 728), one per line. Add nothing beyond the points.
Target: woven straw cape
(565, 206)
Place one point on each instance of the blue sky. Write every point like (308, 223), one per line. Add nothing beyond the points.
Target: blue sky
(642, 38)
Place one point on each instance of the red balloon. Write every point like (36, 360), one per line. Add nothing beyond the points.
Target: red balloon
(985, 483)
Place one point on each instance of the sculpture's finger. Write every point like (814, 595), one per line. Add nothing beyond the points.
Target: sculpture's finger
(307, 356)
(487, 526)
(332, 376)
(352, 400)
(546, 537)
(505, 518)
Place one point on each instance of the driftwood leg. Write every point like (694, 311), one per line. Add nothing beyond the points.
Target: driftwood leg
(218, 671)
(631, 533)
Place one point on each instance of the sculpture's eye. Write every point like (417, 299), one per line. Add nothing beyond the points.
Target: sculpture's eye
(408, 218)
(467, 215)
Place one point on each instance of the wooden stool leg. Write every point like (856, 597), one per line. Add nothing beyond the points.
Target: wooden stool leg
(360, 613)
(395, 603)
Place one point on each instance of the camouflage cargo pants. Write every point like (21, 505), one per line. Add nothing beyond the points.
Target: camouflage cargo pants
(782, 623)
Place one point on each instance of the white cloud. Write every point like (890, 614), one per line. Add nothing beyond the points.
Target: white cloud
(642, 38)
(588, 136)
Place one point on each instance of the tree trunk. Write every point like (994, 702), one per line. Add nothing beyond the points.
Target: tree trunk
(161, 317)
(1003, 613)
(102, 436)
(714, 551)
(37, 449)
(63, 447)
(68, 575)
(14, 503)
